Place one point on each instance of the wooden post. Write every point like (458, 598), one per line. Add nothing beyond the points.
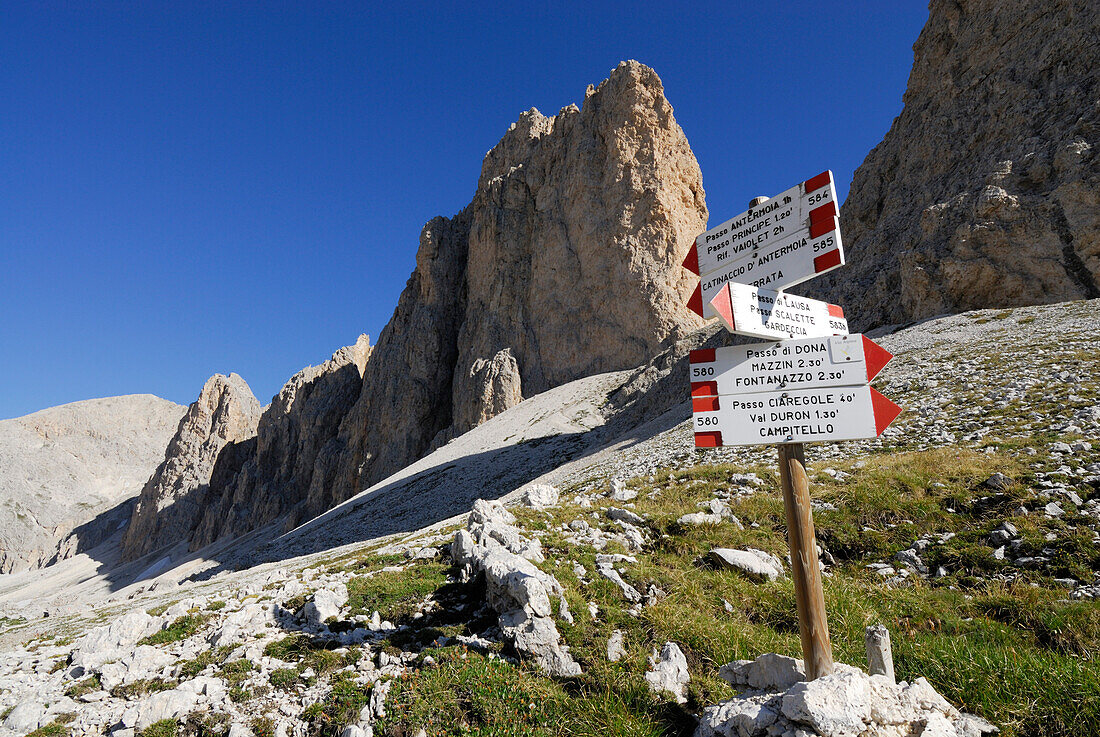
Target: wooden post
(817, 651)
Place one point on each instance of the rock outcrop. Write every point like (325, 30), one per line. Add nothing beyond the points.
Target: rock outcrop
(171, 502)
(287, 467)
(774, 699)
(986, 190)
(69, 474)
(521, 594)
(565, 264)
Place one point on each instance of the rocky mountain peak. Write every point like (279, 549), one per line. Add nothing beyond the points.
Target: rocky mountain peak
(986, 190)
(70, 473)
(226, 412)
(565, 264)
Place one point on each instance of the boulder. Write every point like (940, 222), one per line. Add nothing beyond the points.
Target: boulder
(326, 603)
(619, 492)
(25, 717)
(838, 705)
(541, 496)
(774, 700)
(769, 672)
(115, 640)
(756, 564)
(515, 587)
(174, 704)
(668, 672)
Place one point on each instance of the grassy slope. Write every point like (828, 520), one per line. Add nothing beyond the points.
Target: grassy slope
(1013, 651)
(1002, 642)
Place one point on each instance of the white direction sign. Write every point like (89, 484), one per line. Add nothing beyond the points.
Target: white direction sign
(842, 360)
(793, 416)
(784, 265)
(766, 313)
(805, 210)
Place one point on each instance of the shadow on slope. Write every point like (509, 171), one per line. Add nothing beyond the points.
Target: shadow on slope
(620, 409)
(566, 424)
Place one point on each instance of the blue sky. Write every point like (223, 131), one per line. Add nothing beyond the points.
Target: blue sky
(204, 187)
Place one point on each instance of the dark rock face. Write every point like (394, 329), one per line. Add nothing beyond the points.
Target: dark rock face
(986, 190)
(257, 481)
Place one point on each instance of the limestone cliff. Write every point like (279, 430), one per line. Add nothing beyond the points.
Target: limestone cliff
(225, 413)
(986, 190)
(565, 264)
(271, 474)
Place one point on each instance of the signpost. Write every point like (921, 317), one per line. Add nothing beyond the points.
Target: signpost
(807, 210)
(766, 313)
(792, 416)
(811, 386)
(778, 266)
(843, 360)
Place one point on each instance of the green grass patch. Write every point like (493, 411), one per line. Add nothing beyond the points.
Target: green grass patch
(395, 594)
(180, 629)
(236, 671)
(163, 728)
(57, 728)
(284, 678)
(84, 686)
(317, 653)
(141, 688)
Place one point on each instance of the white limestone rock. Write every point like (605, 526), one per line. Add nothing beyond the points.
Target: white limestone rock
(756, 564)
(616, 651)
(25, 717)
(541, 496)
(326, 603)
(619, 492)
(115, 640)
(838, 705)
(849, 702)
(769, 672)
(516, 588)
(668, 672)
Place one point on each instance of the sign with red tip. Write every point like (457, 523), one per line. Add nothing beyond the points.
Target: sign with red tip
(796, 415)
(766, 313)
(875, 356)
(842, 360)
(885, 411)
(691, 261)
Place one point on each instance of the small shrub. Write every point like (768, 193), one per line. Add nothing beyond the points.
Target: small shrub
(236, 671)
(163, 728)
(295, 603)
(283, 678)
(85, 686)
(140, 688)
(263, 727)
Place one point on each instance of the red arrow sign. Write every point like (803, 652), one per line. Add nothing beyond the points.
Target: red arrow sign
(767, 313)
(792, 416)
(809, 363)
